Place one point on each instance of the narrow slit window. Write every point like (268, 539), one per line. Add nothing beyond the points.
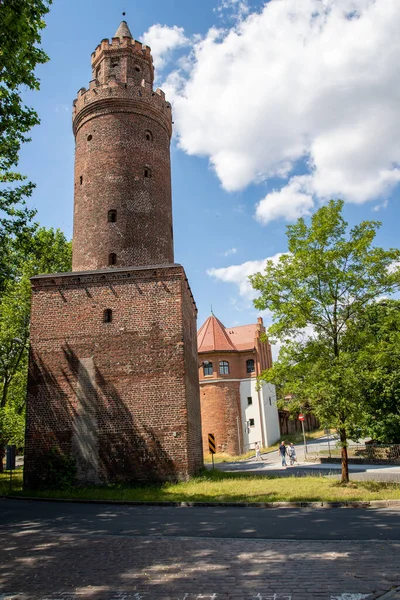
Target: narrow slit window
(107, 315)
(149, 136)
(112, 259)
(89, 138)
(147, 172)
(81, 180)
(112, 216)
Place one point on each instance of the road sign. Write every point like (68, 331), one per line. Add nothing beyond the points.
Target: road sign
(302, 418)
(211, 443)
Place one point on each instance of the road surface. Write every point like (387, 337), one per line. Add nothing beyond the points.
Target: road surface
(72, 551)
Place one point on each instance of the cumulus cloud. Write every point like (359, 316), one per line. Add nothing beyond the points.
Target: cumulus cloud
(239, 274)
(162, 40)
(290, 203)
(310, 83)
(235, 8)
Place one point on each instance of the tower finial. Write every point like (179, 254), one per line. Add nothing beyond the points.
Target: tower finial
(212, 311)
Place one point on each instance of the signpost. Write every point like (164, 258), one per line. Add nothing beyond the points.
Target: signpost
(211, 446)
(302, 419)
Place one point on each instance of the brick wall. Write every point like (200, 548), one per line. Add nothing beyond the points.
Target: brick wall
(195, 450)
(122, 163)
(115, 395)
(220, 415)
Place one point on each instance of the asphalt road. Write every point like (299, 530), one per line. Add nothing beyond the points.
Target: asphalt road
(74, 551)
(201, 522)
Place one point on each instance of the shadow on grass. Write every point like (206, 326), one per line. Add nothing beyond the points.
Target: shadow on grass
(227, 487)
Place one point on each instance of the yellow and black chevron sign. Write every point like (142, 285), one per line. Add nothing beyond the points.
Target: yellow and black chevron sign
(211, 443)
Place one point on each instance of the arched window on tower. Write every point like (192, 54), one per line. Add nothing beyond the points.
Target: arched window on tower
(112, 216)
(207, 368)
(107, 315)
(250, 368)
(112, 259)
(224, 367)
(146, 172)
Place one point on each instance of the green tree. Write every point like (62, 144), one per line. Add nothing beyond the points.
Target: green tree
(374, 339)
(324, 282)
(21, 23)
(45, 251)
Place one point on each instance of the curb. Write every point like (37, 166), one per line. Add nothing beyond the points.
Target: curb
(392, 594)
(350, 504)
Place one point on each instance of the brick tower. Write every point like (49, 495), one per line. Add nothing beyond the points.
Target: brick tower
(113, 378)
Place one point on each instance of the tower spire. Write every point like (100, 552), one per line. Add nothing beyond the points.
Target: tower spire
(123, 30)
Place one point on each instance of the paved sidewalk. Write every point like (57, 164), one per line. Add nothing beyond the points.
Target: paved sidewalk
(35, 565)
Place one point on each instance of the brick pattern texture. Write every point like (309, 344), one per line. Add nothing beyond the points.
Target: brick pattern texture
(113, 380)
(122, 163)
(120, 397)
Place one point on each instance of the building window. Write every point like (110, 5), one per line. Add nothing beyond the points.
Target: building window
(137, 69)
(89, 138)
(147, 172)
(149, 136)
(207, 368)
(107, 315)
(112, 216)
(249, 400)
(115, 62)
(251, 422)
(98, 72)
(250, 365)
(224, 367)
(81, 180)
(112, 259)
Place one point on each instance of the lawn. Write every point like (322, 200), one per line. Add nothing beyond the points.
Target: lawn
(215, 486)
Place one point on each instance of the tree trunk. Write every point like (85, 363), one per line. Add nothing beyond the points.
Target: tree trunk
(345, 461)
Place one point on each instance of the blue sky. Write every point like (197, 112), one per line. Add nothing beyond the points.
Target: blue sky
(278, 106)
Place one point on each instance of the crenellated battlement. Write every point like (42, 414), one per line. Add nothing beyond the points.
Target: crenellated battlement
(120, 43)
(127, 96)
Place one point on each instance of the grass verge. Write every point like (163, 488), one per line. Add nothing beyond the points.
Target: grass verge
(215, 486)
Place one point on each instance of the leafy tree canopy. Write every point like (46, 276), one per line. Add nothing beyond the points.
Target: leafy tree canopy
(44, 251)
(21, 23)
(315, 293)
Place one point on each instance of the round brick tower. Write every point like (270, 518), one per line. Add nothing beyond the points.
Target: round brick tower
(122, 128)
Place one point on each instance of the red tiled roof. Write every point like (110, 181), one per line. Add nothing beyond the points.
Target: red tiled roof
(243, 337)
(213, 336)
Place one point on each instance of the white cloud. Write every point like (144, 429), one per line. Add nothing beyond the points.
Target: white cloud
(310, 83)
(236, 8)
(229, 252)
(239, 274)
(290, 203)
(380, 206)
(162, 40)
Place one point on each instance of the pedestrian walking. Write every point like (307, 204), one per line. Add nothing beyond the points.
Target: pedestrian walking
(283, 452)
(292, 454)
(258, 453)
